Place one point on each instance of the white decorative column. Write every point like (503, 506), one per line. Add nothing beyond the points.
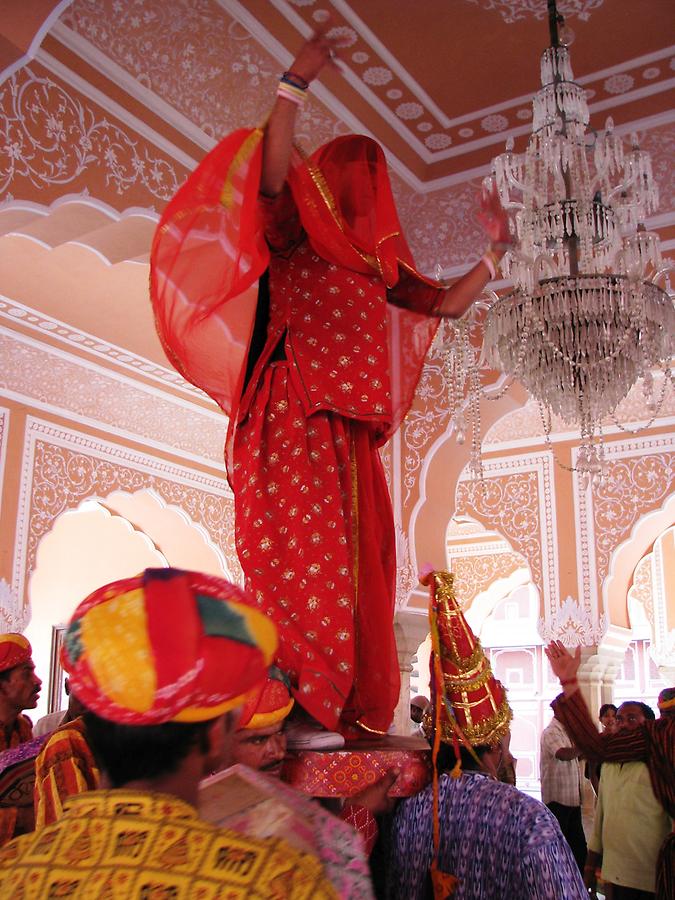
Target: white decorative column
(410, 630)
(600, 666)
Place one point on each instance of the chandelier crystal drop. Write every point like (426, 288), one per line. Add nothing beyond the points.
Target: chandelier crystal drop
(585, 318)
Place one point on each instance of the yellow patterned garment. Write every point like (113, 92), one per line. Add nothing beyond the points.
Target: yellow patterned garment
(128, 845)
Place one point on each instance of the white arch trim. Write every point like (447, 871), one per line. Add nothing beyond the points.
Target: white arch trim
(629, 552)
(36, 42)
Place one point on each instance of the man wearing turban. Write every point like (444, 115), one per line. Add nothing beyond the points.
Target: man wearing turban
(469, 836)
(162, 662)
(19, 690)
(66, 765)
(259, 742)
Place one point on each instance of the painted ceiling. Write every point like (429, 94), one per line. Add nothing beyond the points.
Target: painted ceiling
(108, 104)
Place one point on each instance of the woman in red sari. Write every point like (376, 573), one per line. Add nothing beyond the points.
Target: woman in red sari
(316, 371)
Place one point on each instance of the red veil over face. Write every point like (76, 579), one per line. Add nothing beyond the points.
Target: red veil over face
(209, 251)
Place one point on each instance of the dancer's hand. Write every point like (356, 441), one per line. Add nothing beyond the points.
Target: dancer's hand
(316, 53)
(565, 665)
(493, 217)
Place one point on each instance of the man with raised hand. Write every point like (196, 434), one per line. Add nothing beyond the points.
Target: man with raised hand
(653, 743)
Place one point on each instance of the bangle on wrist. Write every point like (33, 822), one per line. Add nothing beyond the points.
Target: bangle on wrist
(292, 93)
(295, 79)
(491, 263)
(564, 681)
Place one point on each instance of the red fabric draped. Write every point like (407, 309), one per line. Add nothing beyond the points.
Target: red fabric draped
(209, 251)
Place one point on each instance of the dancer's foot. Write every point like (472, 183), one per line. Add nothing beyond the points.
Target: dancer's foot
(306, 736)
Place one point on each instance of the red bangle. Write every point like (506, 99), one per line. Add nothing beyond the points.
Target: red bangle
(568, 681)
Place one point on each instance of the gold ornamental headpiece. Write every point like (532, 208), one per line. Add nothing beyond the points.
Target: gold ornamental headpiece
(468, 693)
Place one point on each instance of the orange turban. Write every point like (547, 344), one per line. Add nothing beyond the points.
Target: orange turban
(269, 704)
(14, 650)
(167, 646)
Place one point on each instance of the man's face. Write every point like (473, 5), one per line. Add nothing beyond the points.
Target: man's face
(418, 706)
(416, 713)
(608, 721)
(630, 716)
(262, 749)
(21, 689)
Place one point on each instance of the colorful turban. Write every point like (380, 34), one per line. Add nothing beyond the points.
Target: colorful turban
(166, 646)
(666, 701)
(468, 704)
(469, 692)
(14, 650)
(270, 703)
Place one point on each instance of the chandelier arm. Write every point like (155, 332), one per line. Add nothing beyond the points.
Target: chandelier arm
(667, 267)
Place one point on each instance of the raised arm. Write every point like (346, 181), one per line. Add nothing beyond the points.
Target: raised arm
(460, 295)
(571, 709)
(318, 52)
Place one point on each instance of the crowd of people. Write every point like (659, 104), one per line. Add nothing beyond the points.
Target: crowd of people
(174, 676)
(107, 799)
(632, 846)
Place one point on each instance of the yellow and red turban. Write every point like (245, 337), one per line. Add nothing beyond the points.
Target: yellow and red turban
(269, 704)
(14, 650)
(167, 646)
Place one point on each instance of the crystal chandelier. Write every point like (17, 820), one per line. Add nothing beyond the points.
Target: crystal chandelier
(585, 318)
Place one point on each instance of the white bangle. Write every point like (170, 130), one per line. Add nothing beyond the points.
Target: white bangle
(290, 92)
(489, 265)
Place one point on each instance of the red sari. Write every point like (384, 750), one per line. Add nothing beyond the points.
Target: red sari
(326, 385)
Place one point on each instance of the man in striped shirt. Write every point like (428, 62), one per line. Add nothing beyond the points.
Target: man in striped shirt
(652, 743)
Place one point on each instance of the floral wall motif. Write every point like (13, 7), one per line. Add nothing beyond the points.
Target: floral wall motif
(574, 625)
(228, 83)
(406, 572)
(517, 499)
(13, 614)
(641, 589)
(429, 415)
(641, 476)
(474, 574)
(660, 144)
(514, 10)
(4, 423)
(441, 227)
(659, 607)
(38, 371)
(61, 467)
(653, 588)
(53, 138)
(219, 84)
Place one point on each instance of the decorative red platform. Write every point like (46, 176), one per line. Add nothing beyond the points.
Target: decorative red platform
(342, 773)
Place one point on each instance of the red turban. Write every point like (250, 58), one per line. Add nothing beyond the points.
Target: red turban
(14, 650)
(474, 697)
(269, 704)
(167, 646)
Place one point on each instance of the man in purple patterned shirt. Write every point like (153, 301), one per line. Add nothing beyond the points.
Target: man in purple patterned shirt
(492, 840)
